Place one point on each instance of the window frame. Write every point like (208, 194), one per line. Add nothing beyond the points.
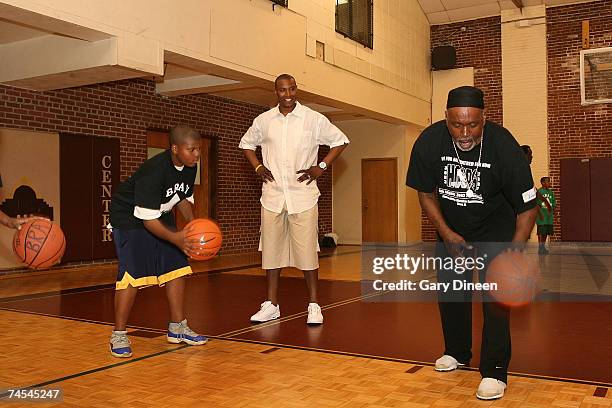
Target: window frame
(369, 42)
(583, 56)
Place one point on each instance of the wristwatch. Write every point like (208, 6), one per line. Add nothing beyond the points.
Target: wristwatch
(323, 165)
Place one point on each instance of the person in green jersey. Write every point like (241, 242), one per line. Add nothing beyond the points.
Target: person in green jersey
(546, 203)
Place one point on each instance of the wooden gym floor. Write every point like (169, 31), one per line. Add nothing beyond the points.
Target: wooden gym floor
(366, 354)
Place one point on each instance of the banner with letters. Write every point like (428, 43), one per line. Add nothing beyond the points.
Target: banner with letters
(66, 177)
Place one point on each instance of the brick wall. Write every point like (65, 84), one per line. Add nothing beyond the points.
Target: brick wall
(126, 109)
(479, 46)
(575, 131)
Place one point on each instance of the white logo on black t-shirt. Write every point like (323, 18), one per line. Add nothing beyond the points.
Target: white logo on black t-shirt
(457, 181)
(182, 187)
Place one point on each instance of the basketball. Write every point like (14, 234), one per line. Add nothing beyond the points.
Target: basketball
(39, 244)
(516, 275)
(208, 235)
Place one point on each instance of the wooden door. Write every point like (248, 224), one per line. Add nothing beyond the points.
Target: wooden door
(379, 200)
(601, 199)
(575, 200)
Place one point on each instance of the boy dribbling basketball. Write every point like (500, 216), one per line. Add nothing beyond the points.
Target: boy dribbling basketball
(149, 248)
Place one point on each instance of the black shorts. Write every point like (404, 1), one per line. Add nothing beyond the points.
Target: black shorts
(545, 229)
(146, 260)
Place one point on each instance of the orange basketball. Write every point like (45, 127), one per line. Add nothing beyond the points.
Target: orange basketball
(40, 243)
(516, 276)
(208, 235)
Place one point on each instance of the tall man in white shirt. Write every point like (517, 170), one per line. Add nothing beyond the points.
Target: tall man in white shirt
(289, 135)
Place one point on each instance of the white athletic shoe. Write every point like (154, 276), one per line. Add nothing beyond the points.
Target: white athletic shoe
(120, 344)
(447, 363)
(490, 388)
(267, 312)
(314, 314)
(181, 333)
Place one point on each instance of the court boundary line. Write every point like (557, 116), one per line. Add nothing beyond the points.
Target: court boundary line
(94, 288)
(255, 326)
(94, 370)
(251, 327)
(413, 362)
(313, 349)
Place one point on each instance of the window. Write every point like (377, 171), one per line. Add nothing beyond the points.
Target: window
(354, 19)
(596, 75)
(280, 2)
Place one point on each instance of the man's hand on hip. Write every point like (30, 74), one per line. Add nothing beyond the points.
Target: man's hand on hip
(265, 174)
(310, 174)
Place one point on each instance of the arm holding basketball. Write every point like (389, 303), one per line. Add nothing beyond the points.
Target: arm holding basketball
(186, 209)
(11, 222)
(178, 238)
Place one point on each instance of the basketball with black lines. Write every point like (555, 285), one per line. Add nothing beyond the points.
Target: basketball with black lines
(206, 235)
(39, 244)
(514, 278)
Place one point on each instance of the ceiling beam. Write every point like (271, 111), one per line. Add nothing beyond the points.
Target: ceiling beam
(57, 62)
(193, 84)
(50, 25)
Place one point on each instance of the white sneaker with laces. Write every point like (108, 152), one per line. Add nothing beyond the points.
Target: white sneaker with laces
(314, 314)
(267, 312)
(181, 333)
(447, 363)
(490, 388)
(120, 344)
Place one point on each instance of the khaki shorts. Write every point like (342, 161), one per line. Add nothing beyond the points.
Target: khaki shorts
(289, 239)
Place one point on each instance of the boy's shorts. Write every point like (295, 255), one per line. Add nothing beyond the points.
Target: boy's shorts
(545, 229)
(146, 260)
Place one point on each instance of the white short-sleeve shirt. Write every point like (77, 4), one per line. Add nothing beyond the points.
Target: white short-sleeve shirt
(288, 144)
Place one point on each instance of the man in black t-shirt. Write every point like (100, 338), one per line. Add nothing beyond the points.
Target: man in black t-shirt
(149, 248)
(475, 186)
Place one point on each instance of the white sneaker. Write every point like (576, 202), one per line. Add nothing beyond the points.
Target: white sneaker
(267, 312)
(447, 363)
(490, 388)
(120, 344)
(181, 333)
(314, 314)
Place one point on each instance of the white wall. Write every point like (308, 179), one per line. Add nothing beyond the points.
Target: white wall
(524, 84)
(372, 139)
(442, 82)
(251, 37)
